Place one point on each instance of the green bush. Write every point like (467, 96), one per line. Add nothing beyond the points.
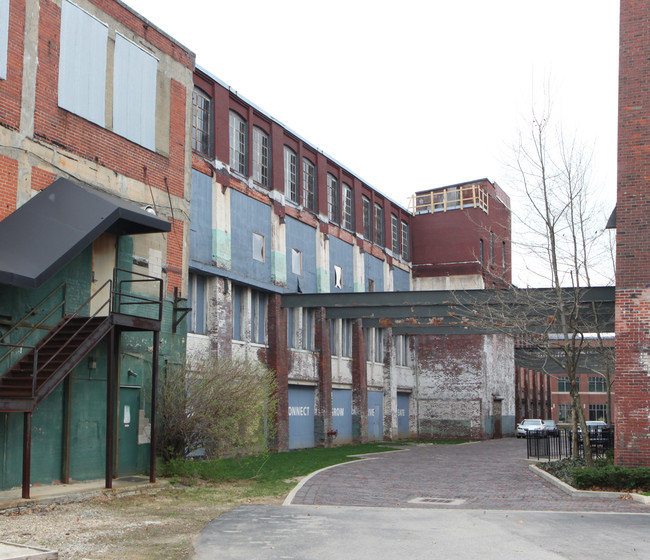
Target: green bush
(613, 477)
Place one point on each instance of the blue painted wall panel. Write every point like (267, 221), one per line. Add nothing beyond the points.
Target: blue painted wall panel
(341, 254)
(402, 415)
(248, 216)
(342, 414)
(302, 238)
(401, 280)
(375, 271)
(301, 417)
(201, 218)
(375, 415)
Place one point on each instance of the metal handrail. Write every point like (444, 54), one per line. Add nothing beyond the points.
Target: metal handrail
(142, 300)
(38, 325)
(34, 364)
(108, 283)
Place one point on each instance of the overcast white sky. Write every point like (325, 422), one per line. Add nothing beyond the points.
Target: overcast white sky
(413, 94)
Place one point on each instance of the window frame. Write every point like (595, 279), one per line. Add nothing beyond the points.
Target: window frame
(333, 200)
(394, 227)
(597, 384)
(202, 139)
(258, 316)
(379, 225)
(261, 157)
(296, 254)
(291, 191)
(4, 38)
(406, 247)
(261, 257)
(309, 185)
(347, 204)
(197, 287)
(366, 212)
(238, 132)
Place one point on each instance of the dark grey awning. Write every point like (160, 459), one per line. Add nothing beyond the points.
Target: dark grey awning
(55, 226)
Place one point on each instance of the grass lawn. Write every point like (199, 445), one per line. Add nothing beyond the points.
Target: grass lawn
(272, 473)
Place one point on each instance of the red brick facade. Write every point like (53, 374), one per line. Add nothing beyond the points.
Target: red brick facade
(632, 415)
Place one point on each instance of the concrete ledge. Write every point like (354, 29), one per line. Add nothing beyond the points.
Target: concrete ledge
(587, 493)
(10, 551)
(74, 493)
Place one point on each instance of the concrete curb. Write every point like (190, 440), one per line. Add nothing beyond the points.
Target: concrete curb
(19, 505)
(587, 493)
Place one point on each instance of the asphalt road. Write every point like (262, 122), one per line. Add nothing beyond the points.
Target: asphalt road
(478, 500)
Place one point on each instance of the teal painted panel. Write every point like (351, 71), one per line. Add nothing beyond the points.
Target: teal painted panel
(11, 453)
(88, 429)
(47, 438)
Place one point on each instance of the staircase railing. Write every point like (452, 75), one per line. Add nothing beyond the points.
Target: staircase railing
(33, 327)
(105, 304)
(35, 365)
(123, 300)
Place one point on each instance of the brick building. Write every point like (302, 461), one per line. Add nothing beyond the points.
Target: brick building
(273, 215)
(632, 415)
(106, 114)
(94, 112)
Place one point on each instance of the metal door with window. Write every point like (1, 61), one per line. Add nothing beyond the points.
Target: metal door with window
(301, 417)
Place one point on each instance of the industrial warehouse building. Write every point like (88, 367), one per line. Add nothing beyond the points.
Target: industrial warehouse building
(205, 201)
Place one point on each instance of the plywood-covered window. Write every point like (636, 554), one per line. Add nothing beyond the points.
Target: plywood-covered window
(82, 63)
(4, 37)
(134, 93)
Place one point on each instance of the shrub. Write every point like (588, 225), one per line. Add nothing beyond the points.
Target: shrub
(223, 406)
(614, 477)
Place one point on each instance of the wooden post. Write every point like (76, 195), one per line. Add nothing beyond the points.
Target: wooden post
(154, 398)
(27, 453)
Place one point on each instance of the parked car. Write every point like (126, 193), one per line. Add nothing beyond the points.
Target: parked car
(594, 426)
(530, 425)
(551, 426)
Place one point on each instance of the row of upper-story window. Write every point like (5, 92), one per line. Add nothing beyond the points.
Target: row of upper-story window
(250, 316)
(300, 177)
(4, 37)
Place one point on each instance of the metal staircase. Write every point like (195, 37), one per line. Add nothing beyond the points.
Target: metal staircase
(38, 372)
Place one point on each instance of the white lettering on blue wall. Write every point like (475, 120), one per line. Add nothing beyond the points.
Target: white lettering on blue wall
(371, 412)
(401, 412)
(298, 411)
(338, 412)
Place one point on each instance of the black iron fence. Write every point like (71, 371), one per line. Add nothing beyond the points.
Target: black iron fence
(557, 444)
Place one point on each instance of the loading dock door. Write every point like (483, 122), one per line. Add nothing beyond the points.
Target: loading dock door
(375, 415)
(301, 417)
(402, 415)
(342, 414)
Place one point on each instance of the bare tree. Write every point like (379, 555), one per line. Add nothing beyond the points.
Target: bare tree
(563, 243)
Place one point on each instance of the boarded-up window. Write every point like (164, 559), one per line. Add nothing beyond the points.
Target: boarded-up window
(82, 64)
(4, 37)
(134, 93)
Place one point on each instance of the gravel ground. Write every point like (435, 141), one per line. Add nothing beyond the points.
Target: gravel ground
(157, 524)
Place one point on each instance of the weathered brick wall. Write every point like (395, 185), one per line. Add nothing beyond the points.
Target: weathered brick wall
(459, 376)
(632, 407)
(11, 88)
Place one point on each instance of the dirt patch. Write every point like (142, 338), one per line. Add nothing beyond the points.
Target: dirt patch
(156, 524)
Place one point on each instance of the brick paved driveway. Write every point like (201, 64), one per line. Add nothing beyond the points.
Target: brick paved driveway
(491, 475)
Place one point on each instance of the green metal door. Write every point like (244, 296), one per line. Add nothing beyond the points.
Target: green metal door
(128, 440)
